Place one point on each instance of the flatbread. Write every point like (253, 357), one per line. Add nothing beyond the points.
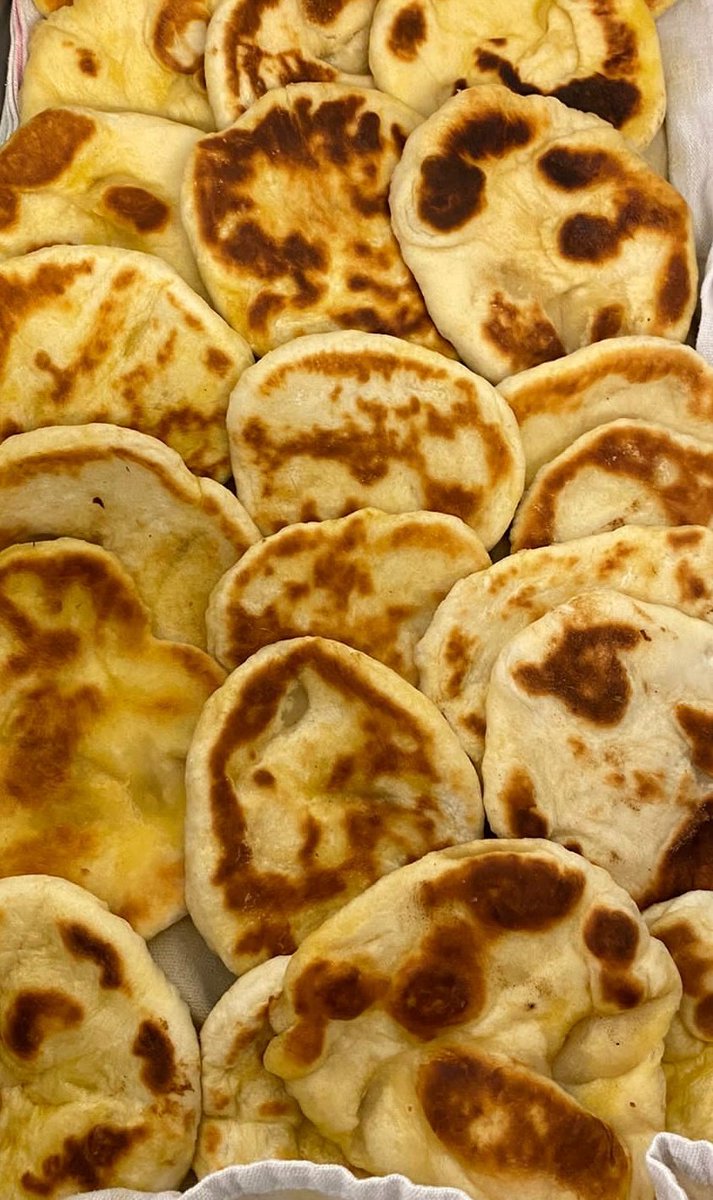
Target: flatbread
(100, 1078)
(121, 54)
(476, 1018)
(483, 612)
(342, 421)
(371, 580)
(175, 534)
(650, 378)
(599, 58)
(251, 49)
(313, 771)
(99, 334)
(599, 721)
(623, 473)
(248, 1114)
(287, 213)
(533, 229)
(85, 177)
(685, 926)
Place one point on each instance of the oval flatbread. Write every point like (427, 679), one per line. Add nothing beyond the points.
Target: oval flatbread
(342, 421)
(85, 177)
(623, 473)
(474, 1017)
(371, 580)
(483, 612)
(533, 230)
(288, 216)
(599, 58)
(653, 379)
(599, 725)
(100, 1083)
(97, 715)
(175, 534)
(313, 771)
(91, 333)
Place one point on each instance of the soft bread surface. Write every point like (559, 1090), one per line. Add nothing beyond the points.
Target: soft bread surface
(93, 333)
(533, 230)
(99, 1068)
(313, 771)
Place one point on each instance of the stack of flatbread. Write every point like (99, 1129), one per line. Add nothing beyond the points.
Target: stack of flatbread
(356, 562)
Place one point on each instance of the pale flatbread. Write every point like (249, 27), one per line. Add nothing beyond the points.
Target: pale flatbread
(100, 1077)
(97, 715)
(482, 612)
(313, 771)
(533, 229)
(599, 735)
(371, 580)
(252, 48)
(287, 212)
(476, 1018)
(85, 177)
(599, 58)
(99, 334)
(175, 534)
(248, 1114)
(120, 54)
(623, 473)
(650, 378)
(685, 926)
(341, 421)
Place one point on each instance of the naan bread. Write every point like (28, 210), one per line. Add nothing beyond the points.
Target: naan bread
(600, 58)
(476, 1019)
(248, 1114)
(599, 735)
(313, 771)
(99, 334)
(287, 212)
(623, 473)
(371, 580)
(482, 612)
(533, 229)
(99, 1070)
(342, 421)
(685, 926)
(97, 715)
(650, 378)
(117, 55)
(253, 48)
(175, 534)
(112, 179)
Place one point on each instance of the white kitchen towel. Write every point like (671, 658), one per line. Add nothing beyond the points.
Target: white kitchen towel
(681, 1170)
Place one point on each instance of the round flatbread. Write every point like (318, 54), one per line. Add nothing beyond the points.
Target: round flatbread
(100, 1077)
(118, 55)
(371, 580)
(623, 473)
(483, 612)
(337, 422)
(313, 771)
(287, 212)
(599, 719)
(477, 1017)
(97, 715)
(248, 1114)
(90, 333)
(85, 177)
(533, 229)
(175, 534)
(251, 49)
(685, 926)
(599, 58)
(650, 378)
